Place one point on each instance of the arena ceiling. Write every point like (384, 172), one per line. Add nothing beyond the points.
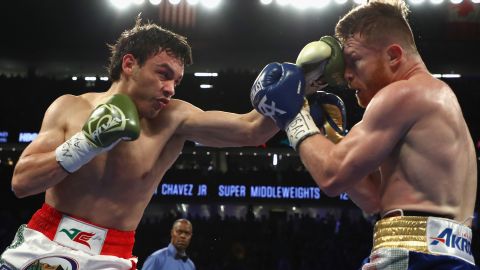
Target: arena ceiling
(69, 37)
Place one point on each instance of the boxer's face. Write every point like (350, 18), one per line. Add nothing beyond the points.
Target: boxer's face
(154, 83)
(366, 68)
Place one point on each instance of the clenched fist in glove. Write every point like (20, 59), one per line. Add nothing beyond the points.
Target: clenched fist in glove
(322, 63)
(323, 113)
(278, 92)
(329, 113)
(115, 120)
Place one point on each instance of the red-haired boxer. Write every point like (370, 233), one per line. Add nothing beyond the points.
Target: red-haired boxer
(411, 158)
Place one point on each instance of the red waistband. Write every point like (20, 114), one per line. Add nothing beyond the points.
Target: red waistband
(117, 243)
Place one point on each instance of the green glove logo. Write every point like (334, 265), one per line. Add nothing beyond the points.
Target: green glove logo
(107, 118)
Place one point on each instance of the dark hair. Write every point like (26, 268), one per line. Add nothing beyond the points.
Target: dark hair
(377, 21)
(143, 41)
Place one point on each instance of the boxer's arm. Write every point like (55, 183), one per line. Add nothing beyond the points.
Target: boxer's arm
(225, 129)
(37, 168)
(336, 168)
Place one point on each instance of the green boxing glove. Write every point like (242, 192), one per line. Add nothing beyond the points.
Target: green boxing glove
(322, 63)
(115, 120)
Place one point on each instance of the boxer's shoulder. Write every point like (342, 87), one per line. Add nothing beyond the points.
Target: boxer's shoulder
(71, 102)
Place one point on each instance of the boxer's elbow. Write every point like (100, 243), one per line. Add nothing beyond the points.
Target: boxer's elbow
(22, 185)
(334, 181)
(331, 188)
(19, 189)
(21, 180)
(330, 184)
(19, 194)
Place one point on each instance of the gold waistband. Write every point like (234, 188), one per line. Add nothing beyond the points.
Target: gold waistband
(407, 232)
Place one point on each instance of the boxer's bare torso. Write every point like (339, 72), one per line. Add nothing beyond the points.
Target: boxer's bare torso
(114, 188)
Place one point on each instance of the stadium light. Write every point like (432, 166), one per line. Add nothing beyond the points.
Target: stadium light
(174, 2)
(416, 2)
(301, 4)
(210, 3)
(193, 2)
(155, 2)
(205, 74)
(321, 3)
(456, 2)
(306, 4)
(451, 76)
(138, 2)
(120, 4)
(206, 86)
(283, 2)
(360, 2)
(476, 1)
(340, 2)
(266, 2)
(436, 2)
(447, 76)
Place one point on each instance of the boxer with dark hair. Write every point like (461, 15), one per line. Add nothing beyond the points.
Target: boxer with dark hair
(99, 157)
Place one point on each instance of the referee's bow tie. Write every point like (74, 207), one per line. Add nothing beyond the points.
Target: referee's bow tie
(181, 257)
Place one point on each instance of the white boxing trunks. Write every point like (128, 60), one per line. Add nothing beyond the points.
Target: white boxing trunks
(53, 240)
(416, 242)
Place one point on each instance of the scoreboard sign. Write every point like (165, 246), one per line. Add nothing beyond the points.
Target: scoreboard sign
(241, 192)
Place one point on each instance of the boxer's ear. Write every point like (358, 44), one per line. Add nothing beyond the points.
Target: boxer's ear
(128, 64)
(394, 55)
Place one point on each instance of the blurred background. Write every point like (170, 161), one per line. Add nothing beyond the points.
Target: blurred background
(49, 48)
